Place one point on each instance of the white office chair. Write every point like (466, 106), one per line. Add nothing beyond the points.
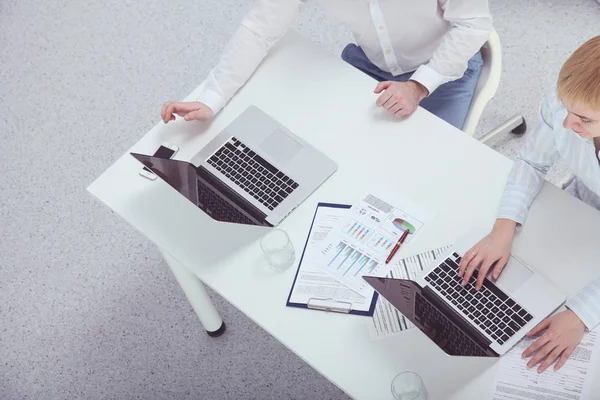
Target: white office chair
(488, 83)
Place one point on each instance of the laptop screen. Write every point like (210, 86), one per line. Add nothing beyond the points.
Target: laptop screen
(181, 175)
(216, 199)
(427, 315)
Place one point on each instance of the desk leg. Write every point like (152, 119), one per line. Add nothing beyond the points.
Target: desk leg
(198, 297)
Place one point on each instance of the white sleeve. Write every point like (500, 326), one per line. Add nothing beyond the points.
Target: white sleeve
(260, 29)
(471, 26)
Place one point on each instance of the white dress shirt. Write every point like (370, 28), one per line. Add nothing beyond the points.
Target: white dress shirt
(544, 145)
(434, 38)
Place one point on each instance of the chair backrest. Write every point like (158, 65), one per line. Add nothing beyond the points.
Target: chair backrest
(488, 83)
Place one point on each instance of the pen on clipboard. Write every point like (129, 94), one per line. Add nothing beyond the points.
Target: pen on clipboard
(397, 246)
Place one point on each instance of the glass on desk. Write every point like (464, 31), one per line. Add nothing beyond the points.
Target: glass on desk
(278, 249)
(408, 386)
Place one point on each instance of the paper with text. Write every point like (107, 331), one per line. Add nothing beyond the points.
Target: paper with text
(573, 381)
(311, 281)
(361, 242)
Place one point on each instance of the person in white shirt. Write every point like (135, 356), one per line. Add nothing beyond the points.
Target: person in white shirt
(422, 52)
(569, 129)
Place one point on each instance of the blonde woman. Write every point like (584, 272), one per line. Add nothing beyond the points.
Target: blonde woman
(569, 129)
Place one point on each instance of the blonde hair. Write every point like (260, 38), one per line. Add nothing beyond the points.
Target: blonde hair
(579, 78)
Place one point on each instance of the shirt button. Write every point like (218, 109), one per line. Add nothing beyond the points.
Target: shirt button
(394, 69)
(388, 51)
(381, 27)
(373, 3)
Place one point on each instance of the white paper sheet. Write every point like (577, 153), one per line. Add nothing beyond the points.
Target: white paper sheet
(572, 382)
(361, 242)
(311, 282)
(387, 320)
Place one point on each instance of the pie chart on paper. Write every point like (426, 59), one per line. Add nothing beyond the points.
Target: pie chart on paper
(403, 225)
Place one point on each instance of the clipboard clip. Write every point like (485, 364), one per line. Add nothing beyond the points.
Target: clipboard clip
(329, 305)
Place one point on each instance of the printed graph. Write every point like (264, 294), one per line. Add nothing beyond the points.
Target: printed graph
(347, 261)
(403, 225)
(381, 243)
(356, 230)
(395, 225)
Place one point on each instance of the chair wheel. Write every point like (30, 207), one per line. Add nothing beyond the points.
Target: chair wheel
(519, 130)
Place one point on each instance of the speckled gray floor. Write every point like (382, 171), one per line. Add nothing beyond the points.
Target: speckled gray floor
(87, 307)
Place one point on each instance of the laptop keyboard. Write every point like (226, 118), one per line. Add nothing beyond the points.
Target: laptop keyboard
(252, 173)
(458, 343)
(489, 308)
(219, 208)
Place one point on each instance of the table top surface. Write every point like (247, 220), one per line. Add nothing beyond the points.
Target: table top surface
(332, 106)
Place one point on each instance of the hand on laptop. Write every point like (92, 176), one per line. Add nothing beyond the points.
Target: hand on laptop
(400, 98)
(492, 250)
(189, 110)
(562, 332)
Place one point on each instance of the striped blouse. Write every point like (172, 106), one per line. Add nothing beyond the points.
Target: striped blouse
(544, 145)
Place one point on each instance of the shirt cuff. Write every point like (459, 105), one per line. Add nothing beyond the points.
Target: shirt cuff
(212, 99)
(576, 304)
(429, 78)
(509, 213)
(513, 207)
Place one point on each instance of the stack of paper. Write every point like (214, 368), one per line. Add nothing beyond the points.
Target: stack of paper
(346, 243)
(572, 382)
(361, 242)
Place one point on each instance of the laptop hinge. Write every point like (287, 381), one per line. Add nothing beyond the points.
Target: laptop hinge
(232, 196)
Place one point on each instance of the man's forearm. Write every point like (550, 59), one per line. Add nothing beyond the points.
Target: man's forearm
(471, 23)
(259, 30)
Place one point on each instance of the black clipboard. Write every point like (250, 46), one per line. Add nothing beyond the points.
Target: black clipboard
(327, 304)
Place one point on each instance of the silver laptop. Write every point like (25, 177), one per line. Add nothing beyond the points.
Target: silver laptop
(254, 172)
(466, 322)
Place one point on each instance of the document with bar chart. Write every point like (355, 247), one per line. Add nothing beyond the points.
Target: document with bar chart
(361, 242)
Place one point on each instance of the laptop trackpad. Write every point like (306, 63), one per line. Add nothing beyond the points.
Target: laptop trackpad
(514, 275)
(280, 146)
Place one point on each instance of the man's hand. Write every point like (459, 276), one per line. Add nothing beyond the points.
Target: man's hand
(400, 98)
(491, 251)
(192, 110)
(562, 333)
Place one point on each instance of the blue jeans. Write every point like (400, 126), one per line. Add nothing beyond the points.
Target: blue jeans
(450, 102)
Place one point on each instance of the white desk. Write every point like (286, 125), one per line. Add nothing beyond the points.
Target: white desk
(332, 106)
